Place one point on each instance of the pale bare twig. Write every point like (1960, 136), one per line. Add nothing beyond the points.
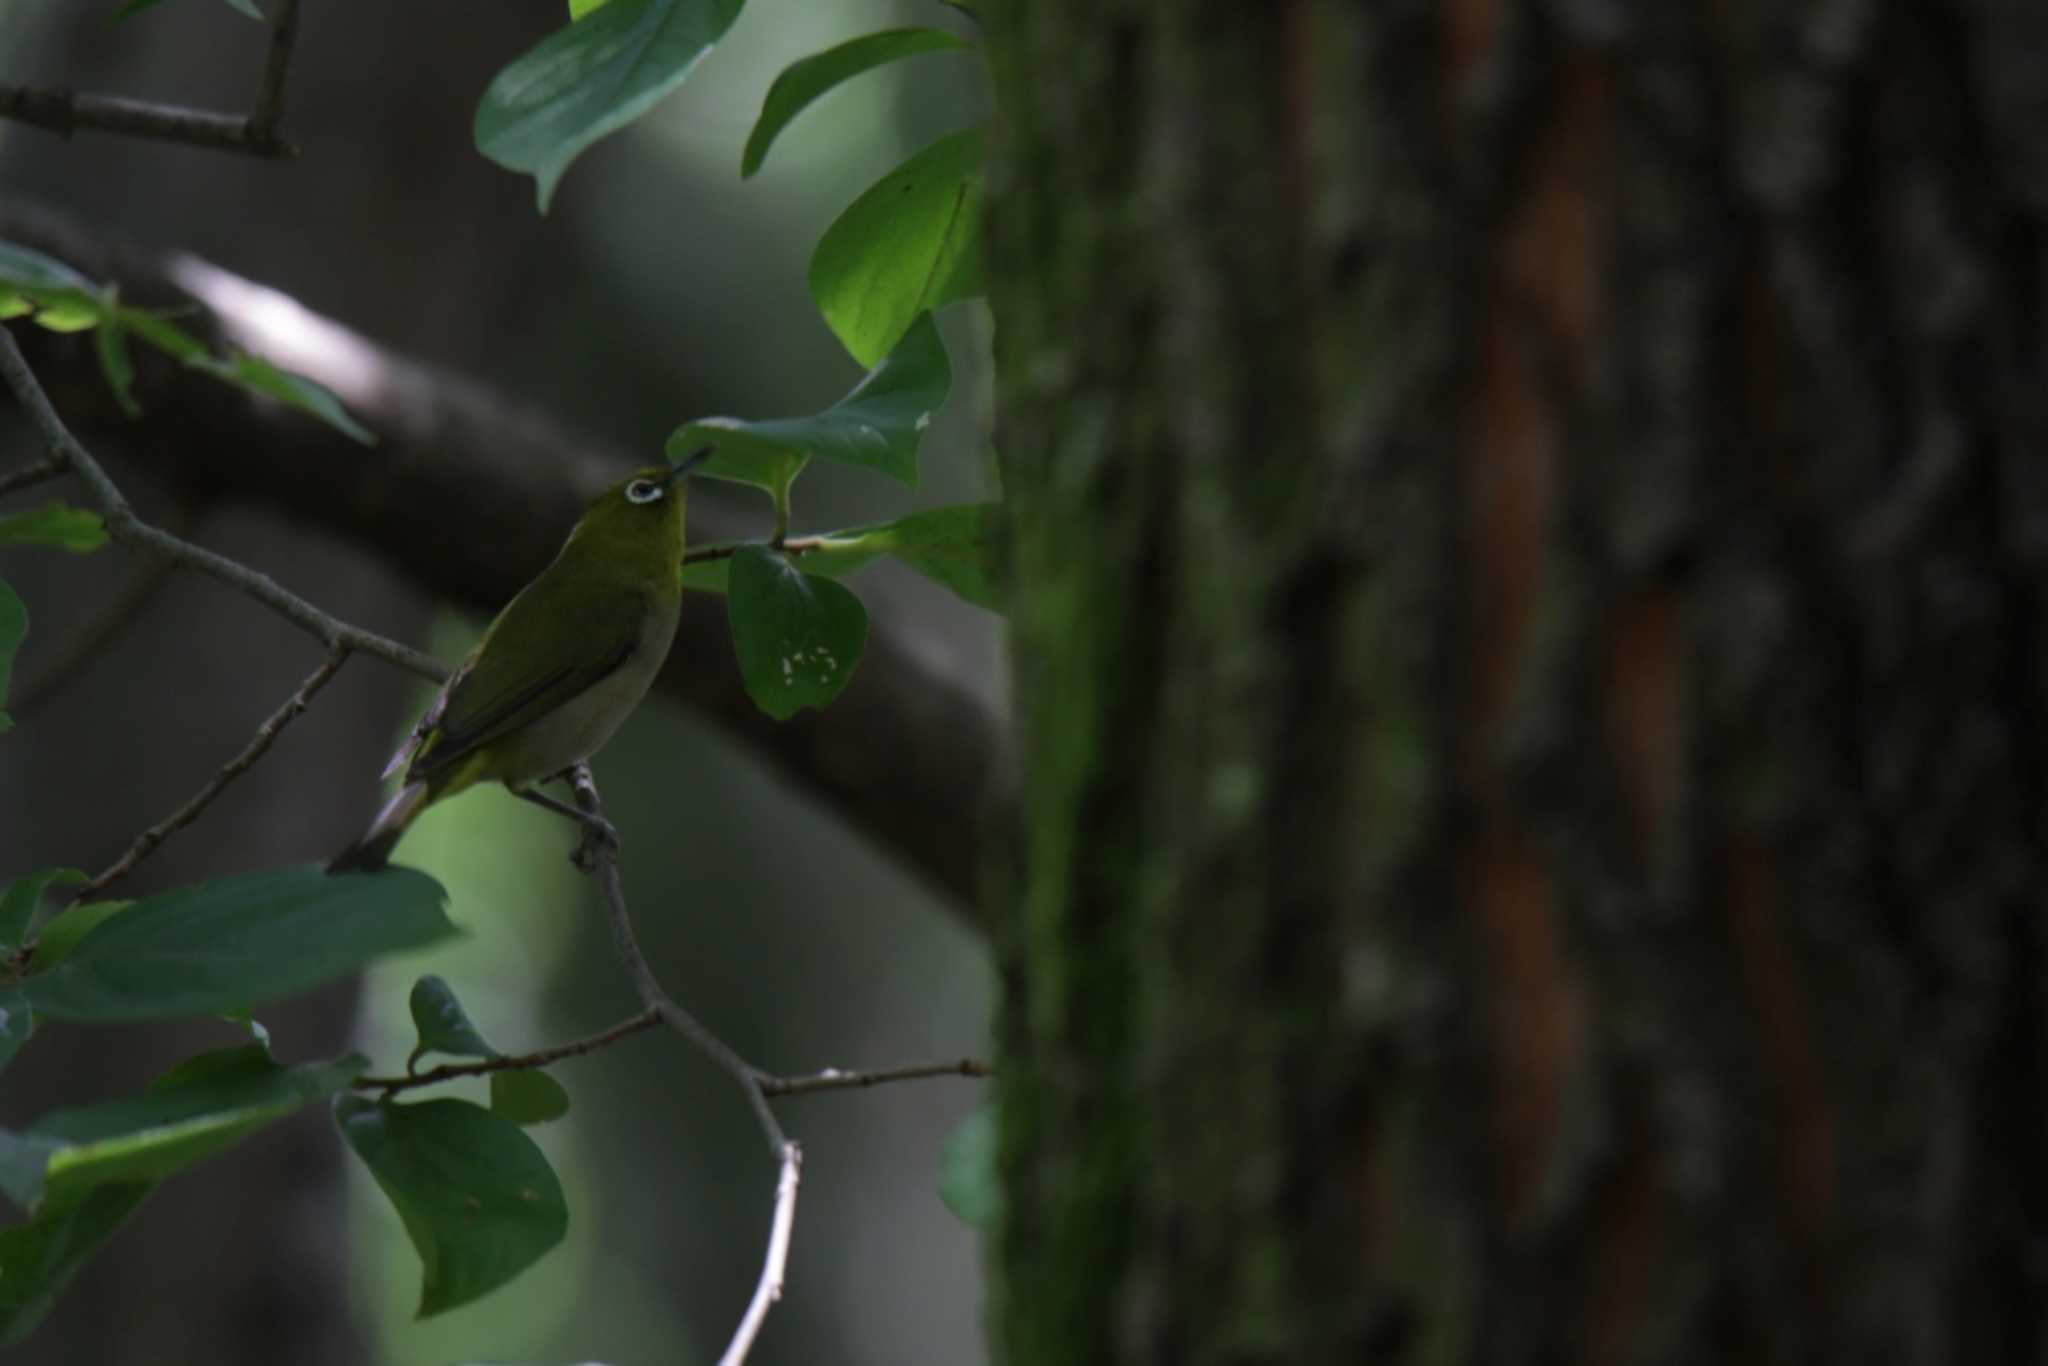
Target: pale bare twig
(836, 1079)
(66, 111)
(774, 1265)
(266, 735)
(123, 525)
(646, 1019)
(28, 476)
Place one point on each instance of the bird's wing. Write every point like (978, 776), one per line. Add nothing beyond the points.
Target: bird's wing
(569, 634)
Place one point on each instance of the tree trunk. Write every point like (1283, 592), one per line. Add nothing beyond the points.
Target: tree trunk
(1528, 545)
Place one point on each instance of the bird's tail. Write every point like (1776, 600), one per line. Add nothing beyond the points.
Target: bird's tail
(373, 850)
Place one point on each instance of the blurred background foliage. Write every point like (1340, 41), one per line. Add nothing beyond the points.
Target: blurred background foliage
(661, 287)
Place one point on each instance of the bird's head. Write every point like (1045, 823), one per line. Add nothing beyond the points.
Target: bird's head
(640, 517)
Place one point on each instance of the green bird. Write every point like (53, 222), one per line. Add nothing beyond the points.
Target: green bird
(558, 671)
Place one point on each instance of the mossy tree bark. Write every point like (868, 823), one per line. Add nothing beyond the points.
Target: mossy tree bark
(1528, 545)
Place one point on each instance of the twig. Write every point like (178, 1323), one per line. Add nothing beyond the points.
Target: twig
(65, 111)
(646, 1019)
(266, 735)
(833, 1079)
(769, 1288)
(28, 476)
(800, 545)
(263, 119)
(124, 525)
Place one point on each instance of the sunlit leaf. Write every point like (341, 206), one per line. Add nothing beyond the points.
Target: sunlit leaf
(878, 426)
(477, 1198)
(798, 637)
(910, 244)
(592, 78)
(57, 525)
(802, 82)
(237, 941)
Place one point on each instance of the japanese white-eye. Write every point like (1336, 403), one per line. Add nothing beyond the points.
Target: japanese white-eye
(560, 668)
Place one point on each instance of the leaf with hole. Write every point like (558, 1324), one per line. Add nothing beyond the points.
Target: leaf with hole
(802, 82)
(238, 941)
(592, 78)
(477, 1198)
(878, 426)
(911, 243)
(798, 637)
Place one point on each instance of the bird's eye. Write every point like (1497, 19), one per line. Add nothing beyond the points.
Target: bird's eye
(643, 491)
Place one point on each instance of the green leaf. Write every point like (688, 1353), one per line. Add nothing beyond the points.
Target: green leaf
(952, 545)
(55, 524)
(593, 78)
(804, 81)
(294, 391)
(477, 1198)
(61, 935)
(238, 941)
(527, 1096)
(968, 1180)
(442, 1023)
(798, 636)
(204, 1105)
(13, 629)
(18, 903)
(247, 7)
(17, 1022)
(39, 1258)
(31, 269)
(111, 342)
(579, 8)
(878, 426)
(165, 336)
(910, 244)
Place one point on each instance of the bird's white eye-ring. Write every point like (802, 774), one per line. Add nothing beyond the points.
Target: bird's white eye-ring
(644, 491)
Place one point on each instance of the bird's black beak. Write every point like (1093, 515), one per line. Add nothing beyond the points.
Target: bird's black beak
(690, 462)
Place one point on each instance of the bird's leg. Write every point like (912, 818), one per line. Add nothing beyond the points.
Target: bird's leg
(597, 831)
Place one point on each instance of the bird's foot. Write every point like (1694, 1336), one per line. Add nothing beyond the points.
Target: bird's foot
(600, 839)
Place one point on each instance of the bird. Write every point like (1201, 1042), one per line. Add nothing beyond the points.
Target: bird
(558, 670)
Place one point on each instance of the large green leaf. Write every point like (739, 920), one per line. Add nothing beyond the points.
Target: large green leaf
(55, 524)
(39, 1258)
(206, 1104)
(952, 545)
(477, 1198)
(592, 78)
(878, 426)
(797, 636)
(23, 895)
(909, 244)
(804, 81)
(237, 942)
(13, 629)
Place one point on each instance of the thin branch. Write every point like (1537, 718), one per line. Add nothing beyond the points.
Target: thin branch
(124, 525)
(266, 735)
(28, 476)
(833, 1079)
(66, 111)
(263, 119)
(646, 1019)
(773, 1266)
(800, 545)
